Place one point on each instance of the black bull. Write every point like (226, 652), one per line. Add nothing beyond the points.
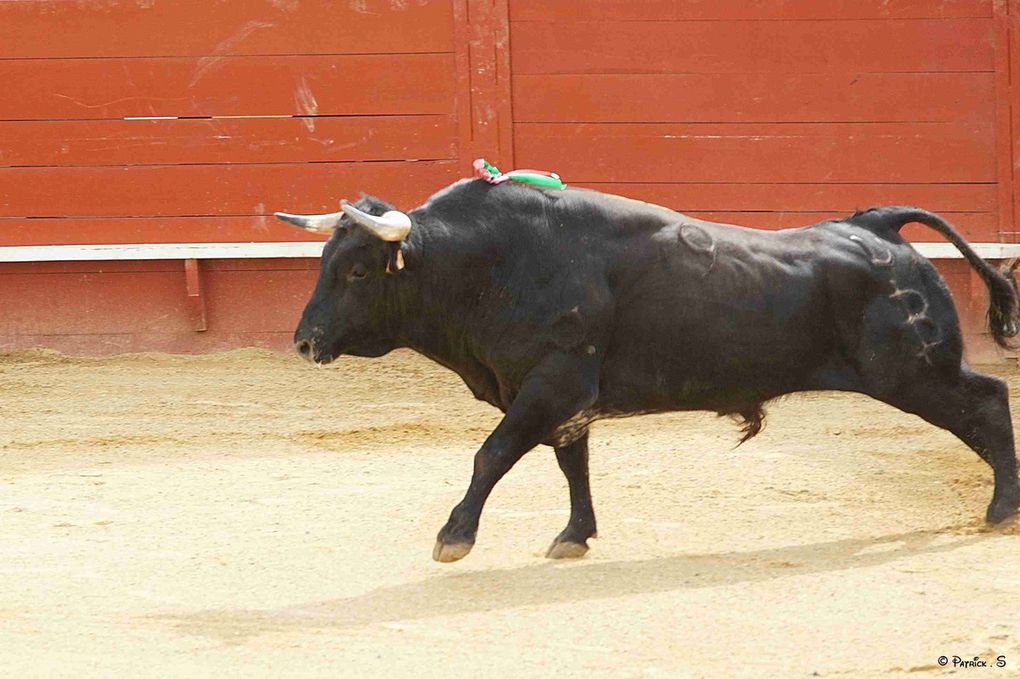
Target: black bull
(562, 307)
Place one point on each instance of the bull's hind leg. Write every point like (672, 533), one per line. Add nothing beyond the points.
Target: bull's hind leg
(573, 541)
(975, 408)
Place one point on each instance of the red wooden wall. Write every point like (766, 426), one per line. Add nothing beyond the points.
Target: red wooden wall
(765, 113)
(191, 120)
(271, 104)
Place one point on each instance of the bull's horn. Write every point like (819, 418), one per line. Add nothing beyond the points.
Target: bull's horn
(392, 226)
(314, 223)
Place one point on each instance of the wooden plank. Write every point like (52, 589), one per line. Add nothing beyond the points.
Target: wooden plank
(1004, 122)
(1008, 110)
(755, 97)
(462, 60)
(194, 253)
(36, 304)
(145, 310)
(71, 28)
(215, 140)
(283, 294)
(127, 266)
(151, 302)
(788, 10)
(859, 153)
(107, 344)
(503, 81)
(106, 230)
(196, 295)
(189, 252)
(689, 197)
(226, 190)
(483, 71)
(817, 197)
(800, 199)
(886, 45)
(231, 86)
(77, 268)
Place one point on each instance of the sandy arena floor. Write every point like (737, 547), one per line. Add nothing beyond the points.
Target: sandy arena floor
(244, 514)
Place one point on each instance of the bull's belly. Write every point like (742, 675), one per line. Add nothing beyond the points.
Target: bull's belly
(718, 372)
(734, 338)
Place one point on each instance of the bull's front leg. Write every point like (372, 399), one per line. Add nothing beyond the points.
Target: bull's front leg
(558, 388)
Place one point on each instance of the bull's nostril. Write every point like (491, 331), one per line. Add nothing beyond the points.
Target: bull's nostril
(304, 347)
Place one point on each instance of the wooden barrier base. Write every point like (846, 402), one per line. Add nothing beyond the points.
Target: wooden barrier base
(111, 307)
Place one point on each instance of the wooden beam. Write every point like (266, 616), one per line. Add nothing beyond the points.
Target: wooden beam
(196, 295)
(1005, 34)
(157, 251)
(313, 250)
(482, 58)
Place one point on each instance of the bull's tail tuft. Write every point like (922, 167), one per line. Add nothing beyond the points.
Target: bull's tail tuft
(750, 418)
(1003, 307)
(1003, 294)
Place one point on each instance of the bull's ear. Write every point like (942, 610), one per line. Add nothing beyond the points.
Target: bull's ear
(315, 223)
(395, 258)
(392, 226)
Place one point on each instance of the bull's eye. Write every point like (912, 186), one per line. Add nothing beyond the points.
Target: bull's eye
(357, 272)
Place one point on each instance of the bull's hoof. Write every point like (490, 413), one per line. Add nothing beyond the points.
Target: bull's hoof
(1001, 513)
(444, 553)
(566, 550)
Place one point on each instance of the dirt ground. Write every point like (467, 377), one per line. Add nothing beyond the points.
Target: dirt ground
(244, 514)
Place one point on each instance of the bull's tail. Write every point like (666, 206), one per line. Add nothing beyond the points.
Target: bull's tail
(1003, 308)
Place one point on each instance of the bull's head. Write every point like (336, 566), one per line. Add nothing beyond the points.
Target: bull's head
(351, 307)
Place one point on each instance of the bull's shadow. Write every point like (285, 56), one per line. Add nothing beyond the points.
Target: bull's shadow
(555, 582)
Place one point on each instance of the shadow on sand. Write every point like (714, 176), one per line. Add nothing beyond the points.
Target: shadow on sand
(549, 582)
